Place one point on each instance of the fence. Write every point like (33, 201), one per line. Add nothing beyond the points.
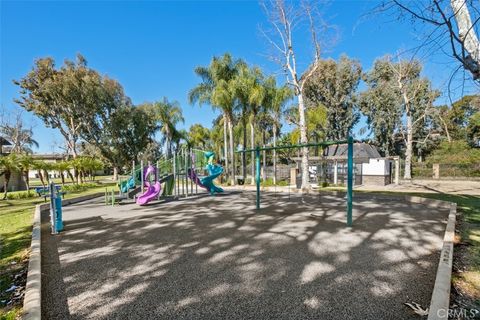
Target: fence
(426, 170)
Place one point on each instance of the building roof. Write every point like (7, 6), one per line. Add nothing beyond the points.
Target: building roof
(362, 152)
(4, 142)
(48, 156)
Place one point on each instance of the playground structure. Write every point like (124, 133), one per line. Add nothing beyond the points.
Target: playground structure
(349, 142)
(302, 233)
(177, 176)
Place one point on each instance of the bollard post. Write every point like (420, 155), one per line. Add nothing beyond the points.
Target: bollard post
(349, 181)
(257, 175)
(58, 208)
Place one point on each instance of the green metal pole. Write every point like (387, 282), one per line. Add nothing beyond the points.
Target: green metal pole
(106, 196)
(113, 197)
(349, 181)
(257, 175)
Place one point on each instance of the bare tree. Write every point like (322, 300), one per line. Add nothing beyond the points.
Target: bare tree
(285, 18)
(19, 135)
(454, 27)
(416, 97)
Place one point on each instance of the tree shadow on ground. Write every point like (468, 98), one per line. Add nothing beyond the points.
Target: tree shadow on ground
(219, 258)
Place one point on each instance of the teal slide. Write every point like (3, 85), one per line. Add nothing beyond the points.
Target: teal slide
(213, 172)
(126, 185)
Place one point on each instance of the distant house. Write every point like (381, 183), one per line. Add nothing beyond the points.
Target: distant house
(4, 143)
(369, 167)
(48, 158)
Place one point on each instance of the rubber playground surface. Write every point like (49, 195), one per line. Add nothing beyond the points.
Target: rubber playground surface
(216, 257)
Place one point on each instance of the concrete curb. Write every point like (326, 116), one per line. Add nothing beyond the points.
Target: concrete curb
(440, 303)
(32, 303)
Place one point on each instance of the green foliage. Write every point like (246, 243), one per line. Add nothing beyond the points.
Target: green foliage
(316, 125)
(65, 98)
(74, 188)
(382, 106)
(21, 195)
(117, 129)
(199, 136)
(8, 165)
(269, 183)
(168, 115)
(396, 93)
(456, 152)
(473, 129)
(333, 85)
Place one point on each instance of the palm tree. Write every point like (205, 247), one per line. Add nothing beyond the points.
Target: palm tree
(95, 165)
(26, 163)
(62, 167)
(224, 96)
(72, 166)
(199, 136)
(8, 165)
(177, 137)
(41, 166)
(274, 103)
(168, 115)
(250, 93)
(218, 74)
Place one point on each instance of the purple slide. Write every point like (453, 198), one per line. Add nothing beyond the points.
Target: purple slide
(152, 190)
(193, 176)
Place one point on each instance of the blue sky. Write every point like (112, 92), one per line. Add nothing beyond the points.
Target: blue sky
(152, 47)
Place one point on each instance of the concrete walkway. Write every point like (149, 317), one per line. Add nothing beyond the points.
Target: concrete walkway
(218, 258)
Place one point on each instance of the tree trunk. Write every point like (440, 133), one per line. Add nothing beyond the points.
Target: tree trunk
(8, 174)
(232, 152)
(71, 175)
(115, 173)
(27, 180)
(408, 152)
(303, 140)
(252, 145)
(225, 146)
(46, 176)
(63, 178)
(447, 132)
(274, 154)
(466, 33)
(40, 175)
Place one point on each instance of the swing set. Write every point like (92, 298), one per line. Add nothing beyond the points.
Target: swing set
(349, 142)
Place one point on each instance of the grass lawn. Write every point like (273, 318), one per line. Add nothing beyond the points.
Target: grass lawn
(35, 182)
(15, 237)
(466, 273)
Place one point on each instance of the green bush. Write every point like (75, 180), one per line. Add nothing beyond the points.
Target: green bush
(21, 195)
(269, 183)
(456, 159)
(72, 188)
(455, 153)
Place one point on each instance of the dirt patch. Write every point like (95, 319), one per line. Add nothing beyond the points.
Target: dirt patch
(465, 293)
(15, 277)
